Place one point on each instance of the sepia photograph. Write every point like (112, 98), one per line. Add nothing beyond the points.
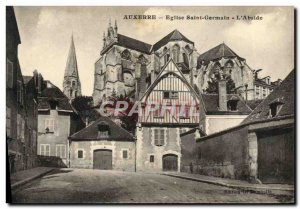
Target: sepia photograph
(150, 105)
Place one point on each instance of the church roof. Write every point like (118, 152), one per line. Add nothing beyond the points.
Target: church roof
(175, 35)
(71, 66)
(222, 50)
(116, 133)
(133, 44)
(283, 94)
(26, 78)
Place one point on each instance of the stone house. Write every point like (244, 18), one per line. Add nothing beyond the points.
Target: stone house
(57, 120)
(103, 145)
(260, 149)
(158, 141)
(20, 145)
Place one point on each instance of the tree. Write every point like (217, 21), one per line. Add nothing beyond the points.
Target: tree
(84, 106)
(214, 89)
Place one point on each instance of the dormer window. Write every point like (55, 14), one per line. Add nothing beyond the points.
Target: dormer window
(275, 108)
(232, 103)
(53, 104)
(103, 130)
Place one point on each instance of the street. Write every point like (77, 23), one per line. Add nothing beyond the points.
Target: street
(98, 186)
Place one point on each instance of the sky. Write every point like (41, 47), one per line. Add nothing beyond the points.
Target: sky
(46, 32)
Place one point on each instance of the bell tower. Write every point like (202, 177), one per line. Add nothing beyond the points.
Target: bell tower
(71, 84)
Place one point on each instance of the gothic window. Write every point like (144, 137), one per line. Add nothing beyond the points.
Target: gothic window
(166, 55)
(126, 55)
(71, 92)
(175, 52)
(228, 67)
(142, 60)
(73, 83)
(185, 59)
(188, 49)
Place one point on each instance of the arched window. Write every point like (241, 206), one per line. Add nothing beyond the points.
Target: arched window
(142, 59)
(126, 55)
(166, 55)
(228, 67)
(175, 52)
(188, 49)
(73, 83)
(185, 59)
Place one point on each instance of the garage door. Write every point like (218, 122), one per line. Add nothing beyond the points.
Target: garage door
(102, 159)
(170, 162)
(276, 156)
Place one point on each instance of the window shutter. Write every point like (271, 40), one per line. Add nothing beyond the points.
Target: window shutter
(9, 73)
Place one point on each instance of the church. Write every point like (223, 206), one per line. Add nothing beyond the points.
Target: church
(215, 85)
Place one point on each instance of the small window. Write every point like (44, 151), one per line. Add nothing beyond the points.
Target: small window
(232, 105)
(103, 131)
(49, 125)
(274, 109)
(125, 154)
(170, 95)
(73, 83)
(151, 158)
(80, 154)
(61, 150)
(159, 137)
(45, 149)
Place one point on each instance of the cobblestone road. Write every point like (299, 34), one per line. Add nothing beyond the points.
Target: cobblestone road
(95, 186)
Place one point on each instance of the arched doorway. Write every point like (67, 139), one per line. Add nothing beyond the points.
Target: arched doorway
(102, 159)
(170, 162)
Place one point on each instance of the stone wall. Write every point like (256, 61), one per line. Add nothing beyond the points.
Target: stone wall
(117, 147)
(224, 155)
(146, 147)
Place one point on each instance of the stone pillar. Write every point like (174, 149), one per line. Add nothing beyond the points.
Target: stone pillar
(252, 157)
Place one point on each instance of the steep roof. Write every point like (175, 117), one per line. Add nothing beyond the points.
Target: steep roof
(133, 44)
(211, 104)
(71, 66)
(53, 93)
(90, 132)
(254, 103)
(283, 94)
(175, 35)
(26, 78)
(222, 50)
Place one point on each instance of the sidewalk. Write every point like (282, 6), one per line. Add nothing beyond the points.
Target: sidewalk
(22, 177)
(276, 189)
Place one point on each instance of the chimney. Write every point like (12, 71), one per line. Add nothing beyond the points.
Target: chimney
(222, 95)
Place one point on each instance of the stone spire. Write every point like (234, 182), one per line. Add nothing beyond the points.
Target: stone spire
(71, 84)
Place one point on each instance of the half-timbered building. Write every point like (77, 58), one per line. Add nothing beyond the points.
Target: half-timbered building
(158, 129)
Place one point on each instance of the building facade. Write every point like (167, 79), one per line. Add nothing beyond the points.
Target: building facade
(264, 86)
(260, 149)
(103, 145)
(20, 118)
(158, 132)
(57, 120)
(71, 84)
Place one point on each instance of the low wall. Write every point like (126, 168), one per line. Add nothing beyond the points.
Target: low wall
(224, 155)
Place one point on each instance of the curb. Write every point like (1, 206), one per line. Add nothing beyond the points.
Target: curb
(22, 182)
(245, 188)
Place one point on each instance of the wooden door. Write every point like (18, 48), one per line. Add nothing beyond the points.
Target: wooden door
(170, 162)
(102, 159)
(276, 156)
